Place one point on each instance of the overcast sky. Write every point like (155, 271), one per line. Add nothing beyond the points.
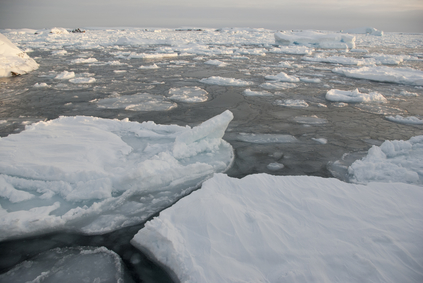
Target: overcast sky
(386, 15)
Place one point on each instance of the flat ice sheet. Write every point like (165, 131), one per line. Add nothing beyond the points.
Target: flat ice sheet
(94, 175)
(400, 75)
(265, 228)
(68, 265)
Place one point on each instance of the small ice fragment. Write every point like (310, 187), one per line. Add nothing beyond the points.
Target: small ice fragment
(274, 166)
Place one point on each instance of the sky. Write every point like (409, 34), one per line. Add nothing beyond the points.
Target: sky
(385, 15)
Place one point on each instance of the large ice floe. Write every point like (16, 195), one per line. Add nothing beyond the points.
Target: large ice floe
(67, 265)
(400, 75)
(94, 175)
(354, 96)
(14, 61)
(265, 228)
(392, 161)
(315, 39)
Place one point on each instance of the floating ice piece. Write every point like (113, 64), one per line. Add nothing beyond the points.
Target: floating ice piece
(401, 75)
(136, 102)
(393, 161)
(341, 60)
(83, 60)
(295, 103)
(275, 166)
(293, 50)
(277, 85)
(188, 94)
(411, 120)
(249, 92)
(14, 61)
(59, 31)
(94, 175)
(388, 59)
(216, 80)
(283, 77)
(407, 93)
(320, 140)
(354, 96)
(265, 138)
(77, 264)
(310, 80)
(284, 64)
(41, 85)
(65, 75)
(316, 39)
(216, 63)
(151, 55)
(82, 80)
(59, 52)
(310, 120)
(265, 228)
(154, 66)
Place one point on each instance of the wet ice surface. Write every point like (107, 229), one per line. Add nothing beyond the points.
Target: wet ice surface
(270, 133)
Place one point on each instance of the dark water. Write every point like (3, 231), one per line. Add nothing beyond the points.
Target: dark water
(350, 129)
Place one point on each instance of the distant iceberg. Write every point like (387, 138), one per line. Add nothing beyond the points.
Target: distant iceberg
(364, 30)
(316, 39)
(13, 61)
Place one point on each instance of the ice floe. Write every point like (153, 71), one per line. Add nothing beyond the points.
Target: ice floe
(295, 103)
(188, 94)
(411, 120)
(82, 80)
(65, 75)
(264, 228)
(216, 80)
(265, 138)
(315, 39)
(77, 264)
(249, 92)
(354, 96)
(216, 63)
(136, 102)
(282, 77)
(400, 75)
(340, 60)
(13, 61)
(277, 85)
(393, 161)
(94, 175)
(365, 30)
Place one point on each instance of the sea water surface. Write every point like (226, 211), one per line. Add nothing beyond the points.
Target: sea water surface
(285, 128)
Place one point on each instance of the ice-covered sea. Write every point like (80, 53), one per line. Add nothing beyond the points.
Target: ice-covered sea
(300, 104)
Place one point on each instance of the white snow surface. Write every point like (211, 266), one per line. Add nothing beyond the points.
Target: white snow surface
(68, 265)
(392, 161)
(400, 75)
(14, 61)
(354, 96)
(94, 175)
(136, 102)
(265, 228)
(316, 39)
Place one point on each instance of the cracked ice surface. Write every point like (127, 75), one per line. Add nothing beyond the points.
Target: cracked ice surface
(96, 175)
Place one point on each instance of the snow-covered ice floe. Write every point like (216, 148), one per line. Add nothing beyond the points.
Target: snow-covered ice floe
(392, 161)
(188, 94)
(294, 103)
(282, 77)
(400, 75)
(77, 264)
(316, 39)
(411, 120)
(14, 61)
(94, 175)
(265, 228)
(365, 30)
(216, 80)
(354, 96)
